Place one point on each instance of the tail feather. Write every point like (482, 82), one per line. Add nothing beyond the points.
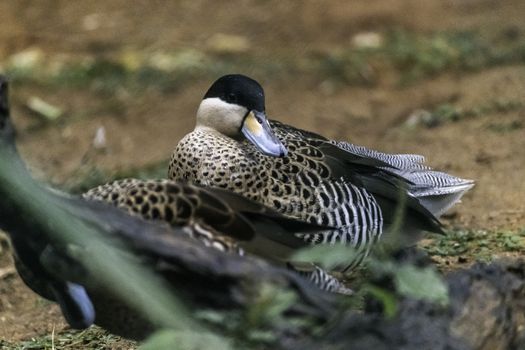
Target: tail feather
(441, 182)
(439, 204)
(397, 161)
(435, 190)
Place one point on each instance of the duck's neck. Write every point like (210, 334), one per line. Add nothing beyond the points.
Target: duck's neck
(223, 117)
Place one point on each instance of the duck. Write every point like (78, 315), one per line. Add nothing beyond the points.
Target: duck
(356, 191)
(216, 218)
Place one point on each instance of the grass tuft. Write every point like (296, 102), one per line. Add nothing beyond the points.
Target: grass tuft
(478, 245)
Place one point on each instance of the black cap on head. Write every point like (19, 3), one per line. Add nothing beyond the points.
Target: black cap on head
(238, 89)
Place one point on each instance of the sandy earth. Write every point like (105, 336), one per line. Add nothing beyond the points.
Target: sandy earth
(148, 126)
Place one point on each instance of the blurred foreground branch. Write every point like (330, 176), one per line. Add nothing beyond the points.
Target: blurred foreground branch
(486, 309)
(199, 276)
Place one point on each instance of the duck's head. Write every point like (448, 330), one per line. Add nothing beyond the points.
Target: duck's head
(234, 106)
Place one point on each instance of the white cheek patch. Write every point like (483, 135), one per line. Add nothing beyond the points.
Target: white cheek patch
(226, 118)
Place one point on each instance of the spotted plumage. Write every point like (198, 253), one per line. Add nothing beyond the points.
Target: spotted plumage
(217, 218)
(199, 211)
(350, 188)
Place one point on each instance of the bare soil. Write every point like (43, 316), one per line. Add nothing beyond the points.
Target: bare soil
(145, 127)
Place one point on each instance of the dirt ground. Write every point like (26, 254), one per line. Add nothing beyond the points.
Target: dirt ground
(142, 128)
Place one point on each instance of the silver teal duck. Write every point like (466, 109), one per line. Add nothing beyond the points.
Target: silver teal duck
(306, 176)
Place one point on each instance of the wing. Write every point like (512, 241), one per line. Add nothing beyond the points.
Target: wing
(224, 212)
(371, 171)
(436, 191)
(174, 203)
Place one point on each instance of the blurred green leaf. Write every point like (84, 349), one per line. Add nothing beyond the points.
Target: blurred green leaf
(134, 283)
(269, 306)
(388, 299)
(420, 283)
(327, 256)
(185, 340)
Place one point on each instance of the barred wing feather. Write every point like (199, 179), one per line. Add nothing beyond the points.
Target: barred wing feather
(436, 191)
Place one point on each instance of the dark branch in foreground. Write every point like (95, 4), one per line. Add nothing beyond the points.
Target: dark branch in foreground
(201, 276)
(486, 309)
(486, 312)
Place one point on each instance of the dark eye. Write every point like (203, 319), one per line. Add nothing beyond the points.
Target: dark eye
(231, 98)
